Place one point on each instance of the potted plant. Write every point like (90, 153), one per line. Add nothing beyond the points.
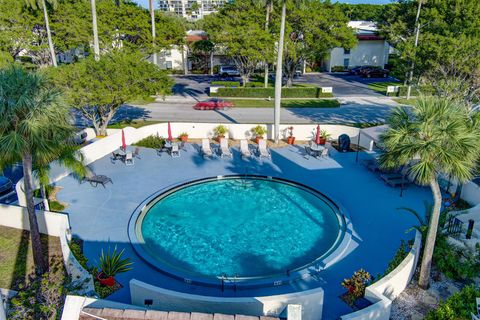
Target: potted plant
(291, 138)
(324, 136)
(356, 287)
(110, 265)
(258, 132)
(183, 137)
(219, 132)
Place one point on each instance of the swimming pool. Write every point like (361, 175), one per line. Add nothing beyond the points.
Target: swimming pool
(246, 228)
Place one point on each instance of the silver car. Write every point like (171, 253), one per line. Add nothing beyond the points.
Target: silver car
(228, 71)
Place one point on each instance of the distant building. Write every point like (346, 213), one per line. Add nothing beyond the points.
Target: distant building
(371, 50)
(191, 9)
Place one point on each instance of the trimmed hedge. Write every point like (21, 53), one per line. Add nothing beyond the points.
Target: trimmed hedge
(226, 83)
(416, 90)
(307, 92)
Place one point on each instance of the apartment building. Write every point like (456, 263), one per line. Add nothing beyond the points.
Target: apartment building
(191, 9)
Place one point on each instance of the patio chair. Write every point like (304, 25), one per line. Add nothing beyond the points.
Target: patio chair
(175, 153)
(98, 179)
(244, 149)
(478, 306)
(206, 149)
(117, 156)
(129, 159)
(262, 149)
(224, 149)
(136, 153)
(475, 317)
(324, 154)
(308, 152)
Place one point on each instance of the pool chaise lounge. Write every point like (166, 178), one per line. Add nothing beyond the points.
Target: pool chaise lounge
(206, 149)
(262, 149)
(244, 149)
(224, 149)
(98, 179)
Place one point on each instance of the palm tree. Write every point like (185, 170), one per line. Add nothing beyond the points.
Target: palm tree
(96, 44)
(35, 4)
(279, 71)
(34, 129)
(435, 136)
(152, 19)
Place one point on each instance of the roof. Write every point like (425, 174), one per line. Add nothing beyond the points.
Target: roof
(196, 35)
(365, 30)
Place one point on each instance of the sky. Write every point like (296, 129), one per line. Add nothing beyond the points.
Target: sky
(145, 2)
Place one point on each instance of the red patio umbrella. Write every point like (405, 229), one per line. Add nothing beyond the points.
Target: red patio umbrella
(317, 136)
(169, 132)
(124, 145)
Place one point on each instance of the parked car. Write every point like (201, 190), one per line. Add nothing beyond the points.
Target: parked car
(375, 73)
(358, 70)
(228, 71)
(213, 104)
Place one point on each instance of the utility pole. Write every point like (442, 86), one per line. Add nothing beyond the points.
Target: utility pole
(279, 73)
(417, 34)
(96, 45)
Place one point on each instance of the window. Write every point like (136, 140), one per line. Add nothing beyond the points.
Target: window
(168, 53)
(168, 65)
(346, 63)
(346, 51)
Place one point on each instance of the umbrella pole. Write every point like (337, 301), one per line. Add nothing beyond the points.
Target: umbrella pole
(358, 146)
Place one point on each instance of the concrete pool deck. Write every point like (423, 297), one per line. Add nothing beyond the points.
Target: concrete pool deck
(100, 216)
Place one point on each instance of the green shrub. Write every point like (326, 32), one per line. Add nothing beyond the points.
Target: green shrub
(338, 69)
(43, 296)
(256, 84)
(153, 142)
(458, 306)
(227, 84)
(76, 249)
(356, 286)
(56, 206)
(416, 91)
(112, 263)
(456, 263)
(298, 92)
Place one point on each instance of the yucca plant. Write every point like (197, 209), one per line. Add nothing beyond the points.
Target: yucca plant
(112, 263)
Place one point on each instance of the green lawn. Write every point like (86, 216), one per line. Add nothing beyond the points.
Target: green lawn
(133, 124)
(16, 261)
(404, 101)
(382, 86)
(307, 103)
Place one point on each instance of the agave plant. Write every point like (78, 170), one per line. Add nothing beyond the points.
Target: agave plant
(112, 263)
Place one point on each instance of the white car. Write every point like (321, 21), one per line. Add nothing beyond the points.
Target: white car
(228, 71)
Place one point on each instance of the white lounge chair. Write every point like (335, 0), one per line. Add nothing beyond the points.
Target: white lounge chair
(478, 306)
(206, 149)
(224, 149)
(244, 149)
(324, 154)
(474, 317)
(129, 159)
(262, 149)
(175, 152)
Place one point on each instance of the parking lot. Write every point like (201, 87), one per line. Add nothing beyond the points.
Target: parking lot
(196, 86)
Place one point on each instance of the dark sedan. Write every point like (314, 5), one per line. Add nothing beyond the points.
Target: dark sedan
(375, 73)
(213, 104)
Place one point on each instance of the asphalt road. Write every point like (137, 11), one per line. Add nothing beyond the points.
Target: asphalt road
(359, 104)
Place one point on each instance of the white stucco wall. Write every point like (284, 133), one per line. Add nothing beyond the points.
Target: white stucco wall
(53, 224)
(367, 52)
(167, 300)
(384, 291)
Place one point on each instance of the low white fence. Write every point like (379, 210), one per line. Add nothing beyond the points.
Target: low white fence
(167, 300)
(53, 224)
(107, 145)
(384, 291)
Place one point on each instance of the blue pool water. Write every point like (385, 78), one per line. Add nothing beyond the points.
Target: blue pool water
(239, 227)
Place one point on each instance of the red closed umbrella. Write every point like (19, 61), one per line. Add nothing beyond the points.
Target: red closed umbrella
(169, 132)
(124, 145)
(317, 137)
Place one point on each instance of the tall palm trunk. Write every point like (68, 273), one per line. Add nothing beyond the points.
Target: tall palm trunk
(267, 23)
(278, 76)
(38, 259)
(49, 35)
(429, 242)
(96, 45)
(417, 34)
(154, 35)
